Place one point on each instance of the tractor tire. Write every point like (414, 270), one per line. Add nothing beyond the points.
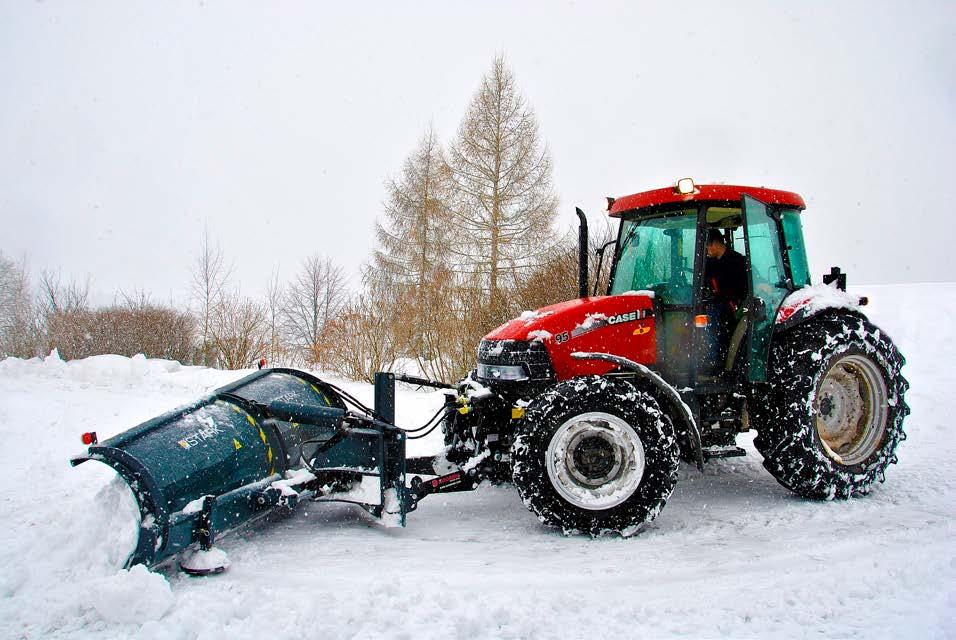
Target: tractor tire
(595, 455)
(829, 425)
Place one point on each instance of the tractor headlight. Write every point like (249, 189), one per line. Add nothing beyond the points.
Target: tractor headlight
(513, 372)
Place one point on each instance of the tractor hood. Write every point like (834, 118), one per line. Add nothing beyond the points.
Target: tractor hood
(622, 325)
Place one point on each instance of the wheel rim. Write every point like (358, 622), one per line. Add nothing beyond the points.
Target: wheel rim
(851, 409)
(595, 460)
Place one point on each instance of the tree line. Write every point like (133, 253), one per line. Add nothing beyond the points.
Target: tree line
(466, 240)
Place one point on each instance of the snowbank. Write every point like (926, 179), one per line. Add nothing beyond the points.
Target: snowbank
(112, 371)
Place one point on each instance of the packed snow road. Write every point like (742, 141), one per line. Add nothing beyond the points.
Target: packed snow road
(732, 555)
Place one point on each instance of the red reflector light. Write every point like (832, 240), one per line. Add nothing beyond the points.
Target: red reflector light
(701, 321)
(89, 438)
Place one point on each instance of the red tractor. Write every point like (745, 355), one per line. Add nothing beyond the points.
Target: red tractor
(588, 405)
(710, 328)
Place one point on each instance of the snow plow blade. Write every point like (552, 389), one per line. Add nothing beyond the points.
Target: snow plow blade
(267, 440)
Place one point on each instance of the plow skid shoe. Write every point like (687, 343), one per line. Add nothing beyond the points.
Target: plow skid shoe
(259, 443)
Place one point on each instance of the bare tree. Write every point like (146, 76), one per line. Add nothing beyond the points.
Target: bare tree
(313, 298)
(18, 335)
(502, 182)
(210, 276)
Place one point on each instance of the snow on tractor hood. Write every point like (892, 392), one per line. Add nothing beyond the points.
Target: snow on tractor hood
(811, 300)
(621, 324)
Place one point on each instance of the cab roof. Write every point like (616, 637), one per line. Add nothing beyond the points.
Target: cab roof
(717, 192)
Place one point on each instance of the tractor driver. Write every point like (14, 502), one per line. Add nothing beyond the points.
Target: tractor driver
(726, 273)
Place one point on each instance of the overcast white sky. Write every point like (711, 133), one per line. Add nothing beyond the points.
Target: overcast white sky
(125, 127)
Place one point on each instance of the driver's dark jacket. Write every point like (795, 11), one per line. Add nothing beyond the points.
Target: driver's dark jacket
(727, 277)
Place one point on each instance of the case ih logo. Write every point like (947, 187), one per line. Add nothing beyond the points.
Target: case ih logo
(598, 321)
(625, 317)
(199, 436)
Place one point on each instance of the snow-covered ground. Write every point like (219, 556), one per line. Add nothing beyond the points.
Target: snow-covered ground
(733, 554)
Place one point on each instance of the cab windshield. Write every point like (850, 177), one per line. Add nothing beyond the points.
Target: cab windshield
(657, 254)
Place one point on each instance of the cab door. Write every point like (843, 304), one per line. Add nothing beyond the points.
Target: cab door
(769, 283)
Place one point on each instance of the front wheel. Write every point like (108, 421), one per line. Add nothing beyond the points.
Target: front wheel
(595, 455)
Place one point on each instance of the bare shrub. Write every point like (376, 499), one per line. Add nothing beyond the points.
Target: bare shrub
(153, 330)
(358, 341)
(239, 332)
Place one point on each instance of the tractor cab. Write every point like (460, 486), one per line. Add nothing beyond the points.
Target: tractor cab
(706, 340)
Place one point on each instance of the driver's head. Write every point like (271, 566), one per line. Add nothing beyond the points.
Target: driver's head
(716, 244)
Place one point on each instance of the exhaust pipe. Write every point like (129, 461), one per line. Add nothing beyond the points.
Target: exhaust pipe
(582, 254)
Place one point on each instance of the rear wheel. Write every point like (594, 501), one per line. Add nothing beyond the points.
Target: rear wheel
(831, 424)
(595, 455)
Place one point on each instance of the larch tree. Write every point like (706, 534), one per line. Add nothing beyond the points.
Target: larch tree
(414, 238)
(501, 175)
(413, 254)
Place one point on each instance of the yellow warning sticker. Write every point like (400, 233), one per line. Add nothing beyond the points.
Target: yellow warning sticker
(641, 331)
(236, 444)
(320, 394)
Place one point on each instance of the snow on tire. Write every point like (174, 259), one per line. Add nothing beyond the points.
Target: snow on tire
(595, 455)
(831, 422)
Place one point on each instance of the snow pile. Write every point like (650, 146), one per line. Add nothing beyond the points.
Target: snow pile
(114, 522)
(136, 595)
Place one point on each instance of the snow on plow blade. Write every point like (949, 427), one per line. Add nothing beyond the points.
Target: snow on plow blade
(266, 440)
